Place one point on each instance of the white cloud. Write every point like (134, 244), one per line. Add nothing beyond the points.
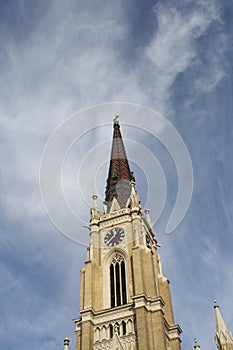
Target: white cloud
(173, 48)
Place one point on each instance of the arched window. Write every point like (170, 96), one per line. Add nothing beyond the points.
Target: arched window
(97, 334)
(117, 281)
(103, 332)
(123, 328)
(111, 330)
(117, 328)
(130, 326)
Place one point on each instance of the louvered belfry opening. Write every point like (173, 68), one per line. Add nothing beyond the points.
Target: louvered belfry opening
(119, 175)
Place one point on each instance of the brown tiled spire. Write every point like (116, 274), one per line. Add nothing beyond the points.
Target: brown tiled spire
(119, 175)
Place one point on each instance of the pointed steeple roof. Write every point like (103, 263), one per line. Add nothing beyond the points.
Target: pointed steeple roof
(223, 335)
(119, 175)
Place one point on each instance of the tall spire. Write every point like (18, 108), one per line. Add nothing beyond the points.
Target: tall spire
(223, 337)
(119, 175)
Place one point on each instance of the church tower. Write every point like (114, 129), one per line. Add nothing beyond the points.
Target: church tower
(125, 301)
(223, 336)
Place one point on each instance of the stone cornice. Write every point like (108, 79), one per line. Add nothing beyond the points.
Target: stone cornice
(150, 304)
(113, 218)
(106, 315)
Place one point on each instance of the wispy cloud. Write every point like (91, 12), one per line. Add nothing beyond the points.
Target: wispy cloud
(174, 47)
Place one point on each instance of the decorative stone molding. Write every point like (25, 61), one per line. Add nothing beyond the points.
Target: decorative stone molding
(172, 332)
(115, 221)
(114, 214)
(150, 304)
(106, 315)
(127, 341)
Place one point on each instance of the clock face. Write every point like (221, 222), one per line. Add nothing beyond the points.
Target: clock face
(114, 236)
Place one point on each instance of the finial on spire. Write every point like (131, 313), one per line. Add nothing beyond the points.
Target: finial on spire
(133, 183)
(132, 177)
(115, 119)
(134, 199)
(148, 219)
(94, 197)
(66, 343)
(95, 210)
(196, 346)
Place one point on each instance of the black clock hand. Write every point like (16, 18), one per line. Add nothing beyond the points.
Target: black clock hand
(107, 238)
(112, 238)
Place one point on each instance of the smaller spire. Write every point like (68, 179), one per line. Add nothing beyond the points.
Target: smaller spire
(66, 343)
(147, 212)
(148, 220)
(220, 324)
(94, 197)
(134, 200)
(95, 214)
(222, 335)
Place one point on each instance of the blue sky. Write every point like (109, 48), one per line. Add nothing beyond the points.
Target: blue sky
(59, 57)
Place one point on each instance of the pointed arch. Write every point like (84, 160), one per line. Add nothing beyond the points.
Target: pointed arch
(111, 331)
(115, 279)
(104, 332)
(97, 334)
(129, 326)
(123, 328)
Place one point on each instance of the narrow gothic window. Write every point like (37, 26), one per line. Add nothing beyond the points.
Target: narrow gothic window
(117, 328)
(97, 334)
(111, 330)
(104, 332)
(117, 281)
(123, 327)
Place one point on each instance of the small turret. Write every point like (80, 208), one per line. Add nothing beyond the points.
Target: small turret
(95, 210)
(66, 343)
(147, 212)
(133, 200)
